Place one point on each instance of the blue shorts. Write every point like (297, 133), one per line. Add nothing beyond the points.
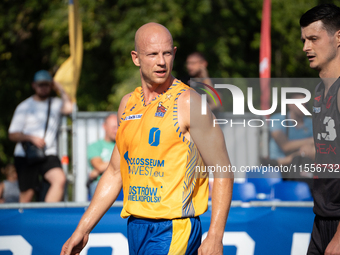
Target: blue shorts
(162, 237)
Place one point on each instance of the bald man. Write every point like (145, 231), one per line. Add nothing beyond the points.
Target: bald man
(99, 153)
(160, 146)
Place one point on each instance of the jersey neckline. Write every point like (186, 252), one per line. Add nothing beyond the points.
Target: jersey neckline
(174, 83)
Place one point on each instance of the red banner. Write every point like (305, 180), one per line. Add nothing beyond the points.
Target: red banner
(265, 55)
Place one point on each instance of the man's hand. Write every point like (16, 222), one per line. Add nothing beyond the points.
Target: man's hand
(67, 103)
(75, 244)
(333, 247)
(204, 72)
(94, 174)
(37, 141)
(307, 150)
(211, 246)
(57, 87)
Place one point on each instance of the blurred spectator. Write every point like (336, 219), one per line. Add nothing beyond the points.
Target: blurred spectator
(291, 145)
(9, 188)
(35, 123)
(197, 68)
(99, 153)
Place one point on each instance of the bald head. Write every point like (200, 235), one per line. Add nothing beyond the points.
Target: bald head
(110, 126)
(150, 33)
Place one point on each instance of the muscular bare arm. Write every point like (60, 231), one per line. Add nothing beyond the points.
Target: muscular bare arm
(210, 143)
(106, 193)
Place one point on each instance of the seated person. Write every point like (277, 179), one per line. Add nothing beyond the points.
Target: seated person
(9, 188)
(291, 145)
(99, 153)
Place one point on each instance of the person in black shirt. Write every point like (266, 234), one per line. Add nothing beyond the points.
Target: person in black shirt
(320, 34)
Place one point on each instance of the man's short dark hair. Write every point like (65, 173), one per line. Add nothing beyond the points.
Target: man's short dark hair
(329, 14)
(198, 54)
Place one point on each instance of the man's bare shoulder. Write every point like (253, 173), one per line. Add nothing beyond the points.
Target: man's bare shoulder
(189, 110)
(188, 98)
(123, 103)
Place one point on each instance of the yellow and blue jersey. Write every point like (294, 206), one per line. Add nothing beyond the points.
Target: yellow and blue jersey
(157, 162)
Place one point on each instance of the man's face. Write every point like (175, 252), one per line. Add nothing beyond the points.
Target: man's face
(155, 57)
(110, 127)
(194, 65)
(319, 45)
(42, 88)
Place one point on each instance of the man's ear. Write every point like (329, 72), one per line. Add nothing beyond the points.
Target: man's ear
(337, 34)
(135, 58)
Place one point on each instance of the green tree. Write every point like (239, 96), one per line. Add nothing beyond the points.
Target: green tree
(35, 36)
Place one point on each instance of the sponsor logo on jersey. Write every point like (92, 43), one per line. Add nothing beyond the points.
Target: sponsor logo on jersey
(316, 109)
(329, 102)
(161, 110)
(325, 148)
(154, 136)
(144, 166)
(144, 194)
(318, 98)
(134, 117)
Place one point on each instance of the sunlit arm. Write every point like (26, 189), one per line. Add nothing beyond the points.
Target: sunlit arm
(211, 145)
(106, 193)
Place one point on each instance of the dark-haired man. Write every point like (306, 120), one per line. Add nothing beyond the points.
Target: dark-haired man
(197, 66)
(320, 34)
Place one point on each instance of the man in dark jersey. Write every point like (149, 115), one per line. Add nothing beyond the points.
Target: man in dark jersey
(320, 34)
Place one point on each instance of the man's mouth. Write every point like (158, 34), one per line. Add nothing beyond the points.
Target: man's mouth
(310, 57)
(160, 72)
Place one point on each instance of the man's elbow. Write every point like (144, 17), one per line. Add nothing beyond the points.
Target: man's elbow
(286, 149)
(11, 137)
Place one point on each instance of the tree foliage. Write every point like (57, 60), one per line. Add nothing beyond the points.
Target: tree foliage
(34, 36)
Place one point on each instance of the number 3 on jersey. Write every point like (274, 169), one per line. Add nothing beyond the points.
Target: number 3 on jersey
(330, 129)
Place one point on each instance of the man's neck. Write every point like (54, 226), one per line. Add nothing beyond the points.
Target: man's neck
(38, 98)
(151, 91)
(330, 74)
(107, 139)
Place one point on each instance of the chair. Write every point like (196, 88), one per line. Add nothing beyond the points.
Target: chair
(264, 182)
(244, 192)
(292, 191)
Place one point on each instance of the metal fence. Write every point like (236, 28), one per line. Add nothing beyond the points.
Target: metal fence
(245, 144)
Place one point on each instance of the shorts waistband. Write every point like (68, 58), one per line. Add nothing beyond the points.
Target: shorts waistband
(149, 221)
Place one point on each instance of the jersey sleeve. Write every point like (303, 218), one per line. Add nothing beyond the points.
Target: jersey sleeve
(275, 123)
(18, 119)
